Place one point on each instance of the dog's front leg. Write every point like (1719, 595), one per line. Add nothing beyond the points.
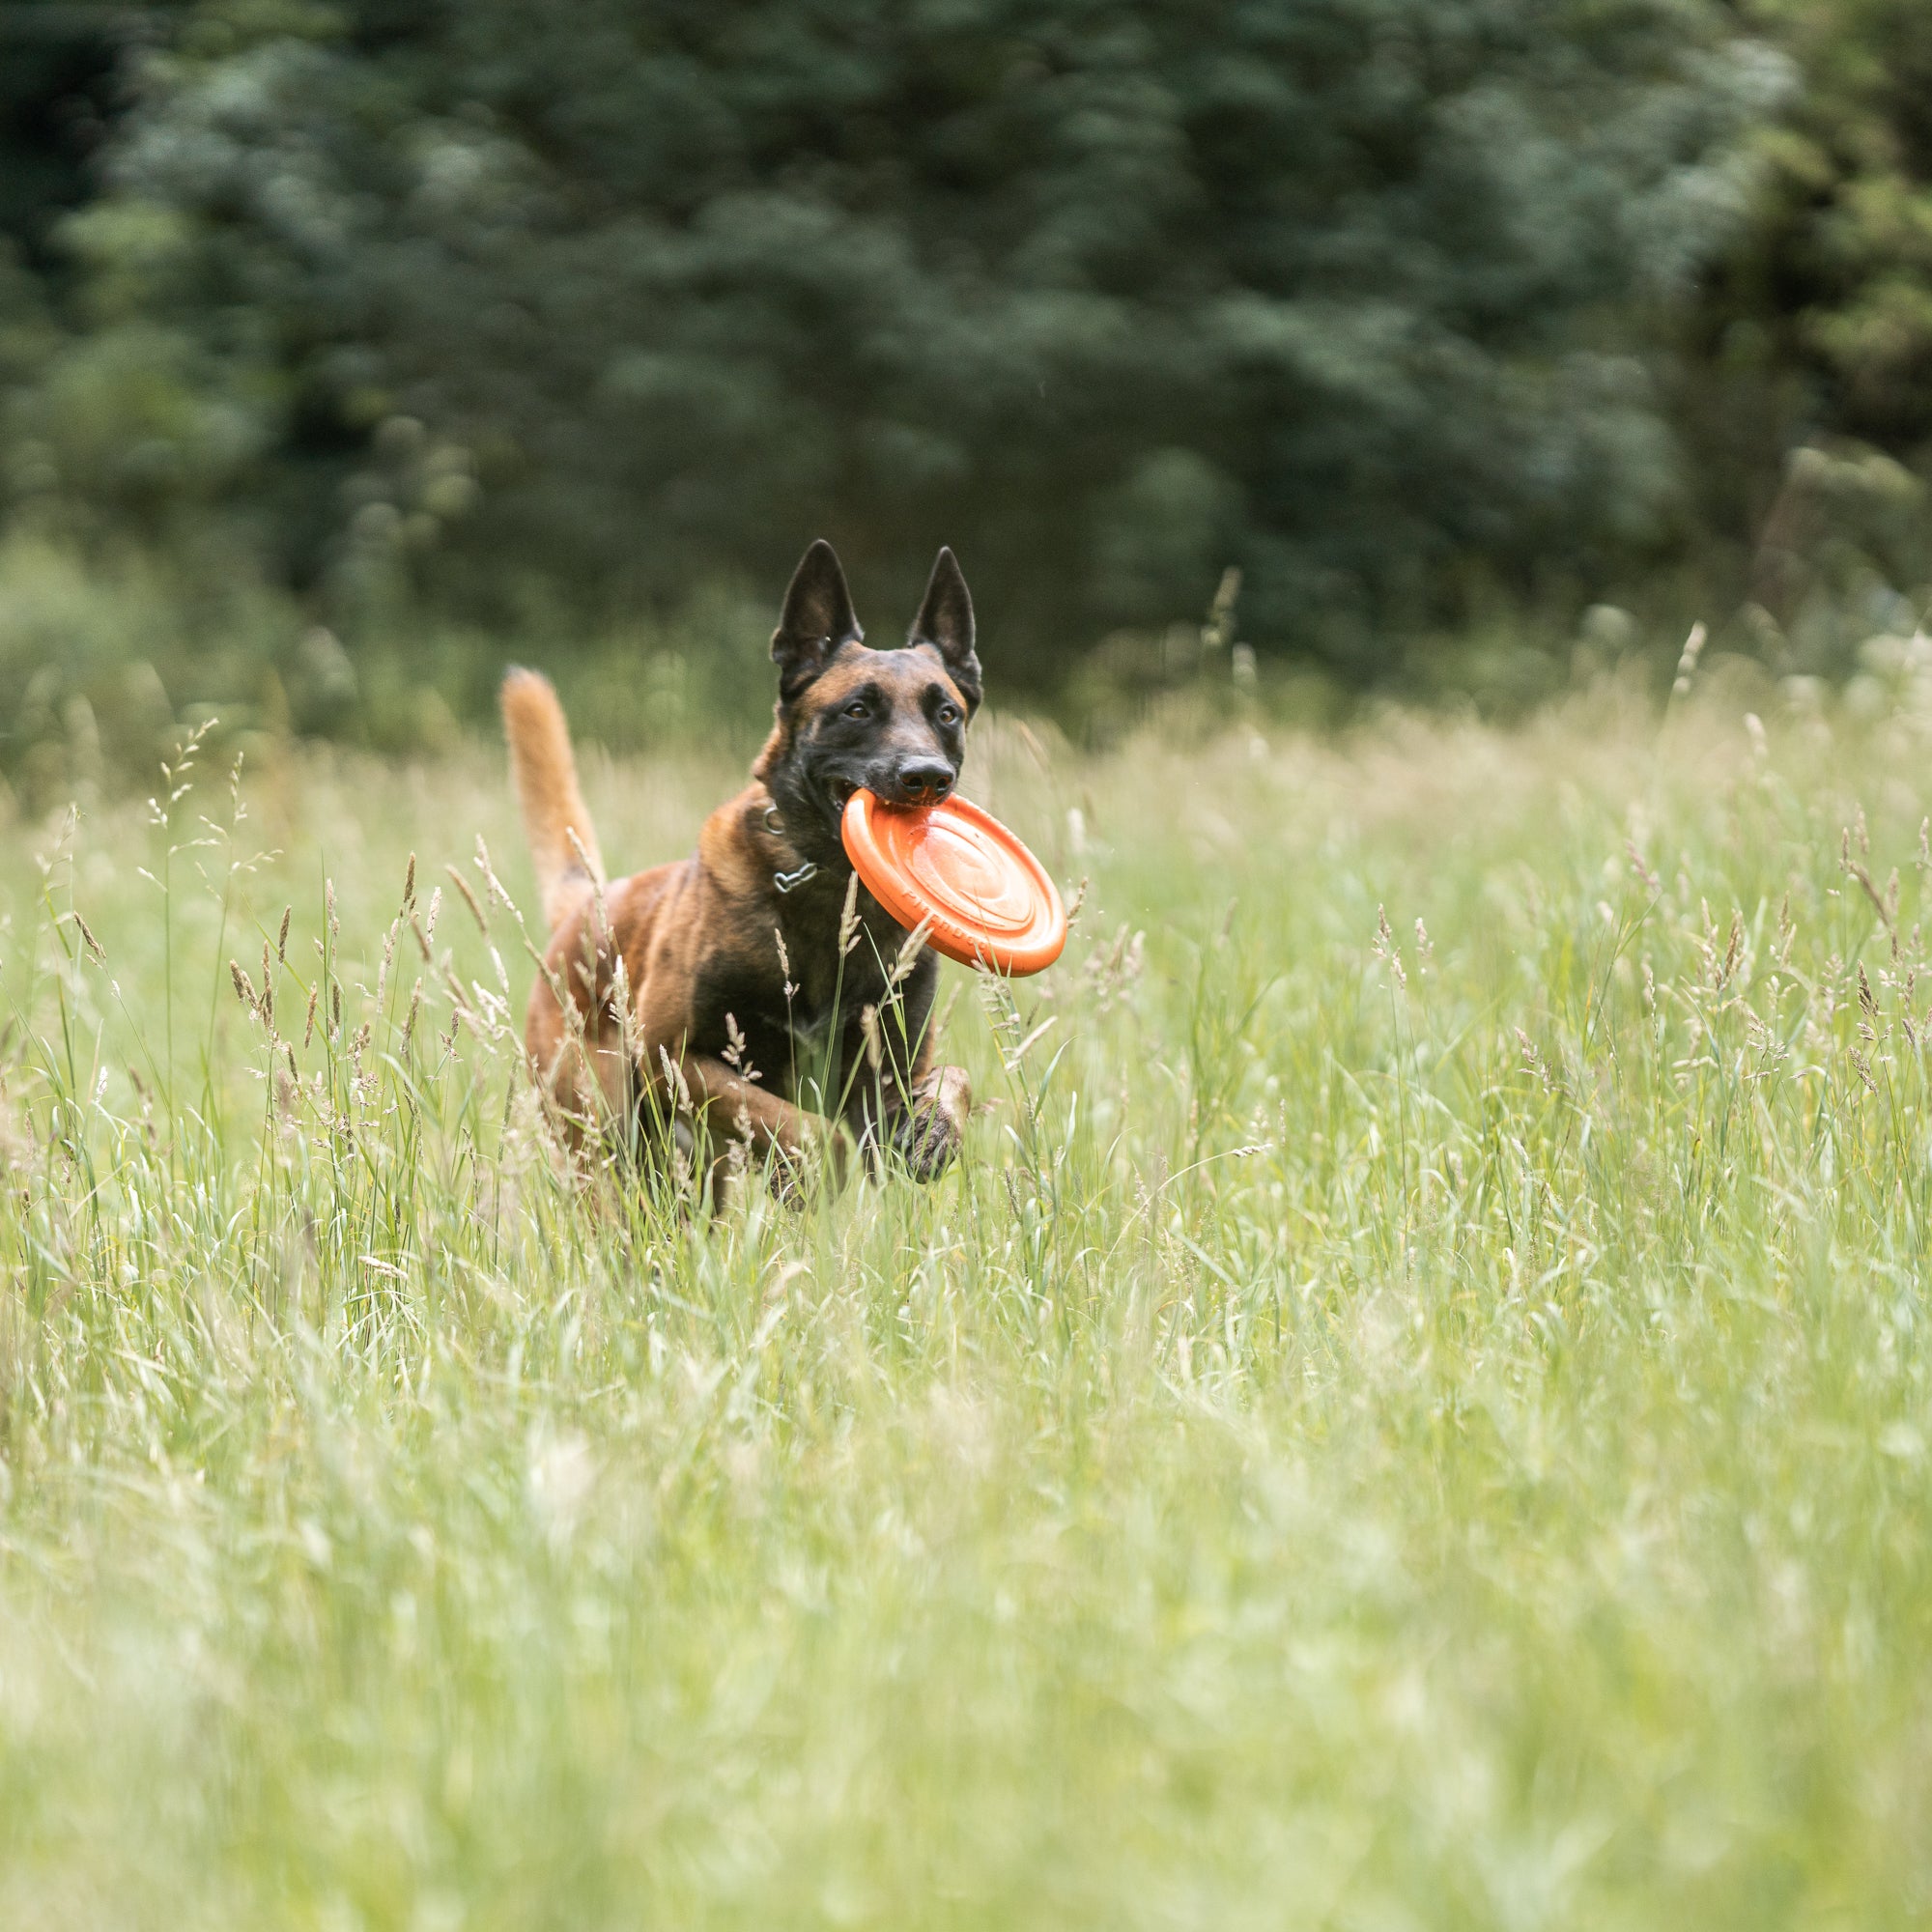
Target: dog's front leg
(729, 1108)
(929, 1129)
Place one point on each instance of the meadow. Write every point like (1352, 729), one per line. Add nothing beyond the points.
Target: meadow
(1413, 1410)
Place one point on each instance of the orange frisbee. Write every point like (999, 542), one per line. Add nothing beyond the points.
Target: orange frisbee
(989, 900)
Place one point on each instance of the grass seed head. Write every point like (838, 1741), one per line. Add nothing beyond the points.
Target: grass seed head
(848, 918)
(468, 898)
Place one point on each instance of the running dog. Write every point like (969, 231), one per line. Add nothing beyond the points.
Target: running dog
(749, 992)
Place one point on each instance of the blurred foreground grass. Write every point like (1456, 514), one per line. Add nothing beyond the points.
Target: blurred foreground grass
(1398, 1421)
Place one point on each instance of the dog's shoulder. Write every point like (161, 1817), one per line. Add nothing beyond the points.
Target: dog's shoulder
(739, 849)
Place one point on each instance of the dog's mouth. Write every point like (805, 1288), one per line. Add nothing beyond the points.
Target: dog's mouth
(842, 793)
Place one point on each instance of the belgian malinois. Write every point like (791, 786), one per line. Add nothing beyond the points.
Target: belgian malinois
(754, 994)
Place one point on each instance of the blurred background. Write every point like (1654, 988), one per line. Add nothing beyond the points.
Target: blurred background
(1291, 349)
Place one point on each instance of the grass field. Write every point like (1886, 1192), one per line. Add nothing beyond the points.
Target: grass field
(1398, 1421)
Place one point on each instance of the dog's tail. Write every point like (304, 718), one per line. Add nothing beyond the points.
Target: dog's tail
(562, 841)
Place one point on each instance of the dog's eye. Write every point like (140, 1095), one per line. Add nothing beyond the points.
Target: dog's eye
(948, 714)
(858, 708)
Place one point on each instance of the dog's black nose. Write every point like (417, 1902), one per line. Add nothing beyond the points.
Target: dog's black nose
(925, 781)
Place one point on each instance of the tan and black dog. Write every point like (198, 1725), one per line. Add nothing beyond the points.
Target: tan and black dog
(712, 993)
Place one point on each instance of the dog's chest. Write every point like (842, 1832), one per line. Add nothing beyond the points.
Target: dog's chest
(790, 1014)
(808, 1031)
(785, 1038)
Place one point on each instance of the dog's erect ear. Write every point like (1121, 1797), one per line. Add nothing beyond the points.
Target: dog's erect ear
(817, 619)
(945, 624)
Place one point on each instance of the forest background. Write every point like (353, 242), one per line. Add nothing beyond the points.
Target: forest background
(346, 349)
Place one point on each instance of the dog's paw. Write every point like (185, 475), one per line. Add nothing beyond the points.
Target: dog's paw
(928, 1134)
(800, 1168)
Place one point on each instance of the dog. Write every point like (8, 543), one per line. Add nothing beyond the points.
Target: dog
(712, 998)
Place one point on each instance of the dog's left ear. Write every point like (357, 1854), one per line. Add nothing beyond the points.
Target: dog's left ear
(945, 624)
(817, 619)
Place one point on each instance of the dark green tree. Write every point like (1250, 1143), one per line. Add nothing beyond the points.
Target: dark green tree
(1833, 283)
(1806, 378)
(1355, 294)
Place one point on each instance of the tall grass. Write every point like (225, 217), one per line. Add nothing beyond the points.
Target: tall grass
(1413, 1410)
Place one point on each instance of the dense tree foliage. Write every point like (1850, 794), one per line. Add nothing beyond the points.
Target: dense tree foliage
(1355, 294)
(1835, 277)
(1803, 381)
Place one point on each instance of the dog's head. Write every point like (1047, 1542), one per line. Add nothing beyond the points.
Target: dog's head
(892, 721)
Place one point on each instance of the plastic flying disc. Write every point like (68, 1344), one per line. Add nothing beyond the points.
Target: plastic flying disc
(989, 900)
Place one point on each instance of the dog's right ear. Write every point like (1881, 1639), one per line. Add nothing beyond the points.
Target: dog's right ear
(945, 624)
(817, 619)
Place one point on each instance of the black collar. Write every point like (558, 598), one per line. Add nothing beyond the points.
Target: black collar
(789, 882)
